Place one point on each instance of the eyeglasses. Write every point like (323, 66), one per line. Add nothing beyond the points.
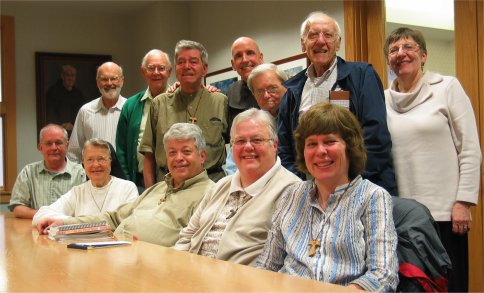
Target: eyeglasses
(328, 37)
(152, 68)
(407, 47)
(270, 90)
(100, 160)
(113, 79)
(253, 141)
(58, 143)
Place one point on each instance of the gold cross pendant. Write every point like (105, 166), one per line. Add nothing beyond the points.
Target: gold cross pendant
(193, 120)
(314, 244)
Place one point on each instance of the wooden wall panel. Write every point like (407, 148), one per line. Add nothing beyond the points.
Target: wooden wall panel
(469, 70)
(8, 105)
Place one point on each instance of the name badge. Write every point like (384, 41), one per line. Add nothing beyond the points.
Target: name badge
(341, 98)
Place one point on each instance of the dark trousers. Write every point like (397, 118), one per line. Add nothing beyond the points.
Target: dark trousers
(457, 248)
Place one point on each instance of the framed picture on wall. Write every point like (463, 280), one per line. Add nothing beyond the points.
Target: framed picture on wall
(64, 83)
(223, 78)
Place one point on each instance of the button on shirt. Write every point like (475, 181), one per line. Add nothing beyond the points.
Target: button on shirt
(238, 196)
(147, 98)
(36, 186)
(356, 234)
(316, 89)
(94, 120)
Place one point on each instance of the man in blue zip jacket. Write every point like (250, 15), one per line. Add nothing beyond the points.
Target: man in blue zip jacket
(156, 69)
(331, 79)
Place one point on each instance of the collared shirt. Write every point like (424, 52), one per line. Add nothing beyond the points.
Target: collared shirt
(36, 186)
(316, 89)
(94, 120)
(147, 97)
(356, 235)
(158, 214)
(238, 196)
(210, 110)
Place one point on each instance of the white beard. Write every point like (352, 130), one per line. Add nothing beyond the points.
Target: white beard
(111, 94)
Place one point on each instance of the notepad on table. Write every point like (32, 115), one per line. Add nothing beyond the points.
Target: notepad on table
(94, 245)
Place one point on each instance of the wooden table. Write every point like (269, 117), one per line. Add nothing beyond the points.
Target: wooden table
(32, 262)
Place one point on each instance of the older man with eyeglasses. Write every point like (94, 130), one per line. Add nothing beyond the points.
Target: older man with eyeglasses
(353, 85)
(234, 217)
(156, 69)
(99, 118)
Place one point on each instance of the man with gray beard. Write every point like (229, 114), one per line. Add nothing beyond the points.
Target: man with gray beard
(99, 118)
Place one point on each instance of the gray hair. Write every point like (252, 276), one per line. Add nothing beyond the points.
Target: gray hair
(185, 45)
(262, 68)
(316, 15)
(152, 52)
(109, 63)
(52, 125)
(97, 142)
(258, 115)
(186, 131)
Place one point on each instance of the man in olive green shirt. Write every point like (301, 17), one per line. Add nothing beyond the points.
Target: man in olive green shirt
(159, 214)
(189, 103)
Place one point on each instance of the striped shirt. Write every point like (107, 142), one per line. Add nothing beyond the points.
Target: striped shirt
(94, 120)
(36, 186)
(316, 89)
(356, 234)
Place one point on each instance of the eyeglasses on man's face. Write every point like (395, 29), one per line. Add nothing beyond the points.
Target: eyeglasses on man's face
(256, 141)
(327, 36)
(407, 47)
(153, 68)
(113, 79)
(270, 90)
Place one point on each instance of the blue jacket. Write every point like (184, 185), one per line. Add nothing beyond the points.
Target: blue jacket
(127, 135)
(367, 102)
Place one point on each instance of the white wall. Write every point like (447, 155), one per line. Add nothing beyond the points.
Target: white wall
(127, 30)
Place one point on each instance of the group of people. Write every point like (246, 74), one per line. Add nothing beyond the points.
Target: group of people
(331, 125)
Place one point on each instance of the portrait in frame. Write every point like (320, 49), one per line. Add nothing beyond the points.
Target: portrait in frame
(223, 78)
(64, 83)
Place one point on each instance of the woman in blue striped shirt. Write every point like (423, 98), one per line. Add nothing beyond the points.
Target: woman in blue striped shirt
(337, 227)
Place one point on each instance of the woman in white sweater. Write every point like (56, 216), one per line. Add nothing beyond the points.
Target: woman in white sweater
(102, 192)
(435, 144)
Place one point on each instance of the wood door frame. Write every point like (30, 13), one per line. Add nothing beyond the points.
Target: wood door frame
(8, 106)
(363, 17)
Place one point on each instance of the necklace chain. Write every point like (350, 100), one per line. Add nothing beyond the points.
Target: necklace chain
(192, 118)
(91, 187)
(314, 243)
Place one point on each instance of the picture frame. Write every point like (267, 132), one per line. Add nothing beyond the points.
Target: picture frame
(56, 104)
(223, 78)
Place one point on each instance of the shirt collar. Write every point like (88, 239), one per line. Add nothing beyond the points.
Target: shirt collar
(118, 105)
(257, 187)
(147, 95)
(185, 184)
(311, 73)
(69, 168)
(340, 190)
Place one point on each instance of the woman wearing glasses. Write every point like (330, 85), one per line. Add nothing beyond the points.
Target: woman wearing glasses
(102, 192)
(435, 144)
